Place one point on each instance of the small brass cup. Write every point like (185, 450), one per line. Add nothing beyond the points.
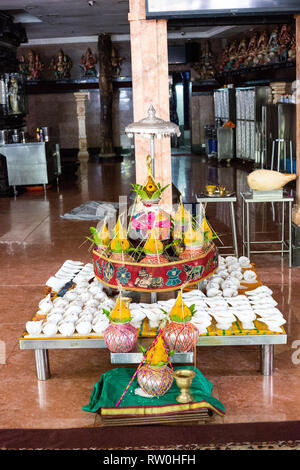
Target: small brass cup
(222, 190)
(184, 379)
(210, 188)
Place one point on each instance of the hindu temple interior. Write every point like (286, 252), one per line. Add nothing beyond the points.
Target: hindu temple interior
(72, 78)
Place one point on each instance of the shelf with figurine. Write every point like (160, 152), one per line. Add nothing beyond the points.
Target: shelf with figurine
(263, 52)
(158, 252)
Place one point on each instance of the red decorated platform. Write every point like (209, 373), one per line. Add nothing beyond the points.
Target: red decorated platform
(147, 277)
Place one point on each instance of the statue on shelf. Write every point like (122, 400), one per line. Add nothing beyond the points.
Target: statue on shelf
(251, 51)
(232, 54)
(61, 65)
(241, 53)
(292, 49)
(285, 38)
(31, 66)
(262, 49)
(23, 66)
(208, 61)
(225, 58)
(116, 62)
(88, 62)
(272, 55)
(206, 67)
(14, 96)
(39, 66)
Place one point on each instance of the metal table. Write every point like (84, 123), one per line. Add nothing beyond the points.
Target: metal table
(247, 198)
(230, 200)
(31, 163)
(41, 347)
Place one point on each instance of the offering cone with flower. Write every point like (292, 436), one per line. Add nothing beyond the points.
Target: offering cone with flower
(155, 377)
(120, 245)
(206, 230)
(100, 238)
(180, 334)
(153, 250)
(193, 241)
(182, 219)
(120, 336)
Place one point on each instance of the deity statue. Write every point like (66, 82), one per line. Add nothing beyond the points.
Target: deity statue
(22, 65)
(225, 58)
(206, 67)
(241, 53)
(116, 62)
(61, 65)
(251, 51)
(208, 61)
(272, 55)
(262, 49)
(14, 96)
(232, 54)
(292, 49)
(38, 67)
(285, 38)
(31, 66)
(88, 62)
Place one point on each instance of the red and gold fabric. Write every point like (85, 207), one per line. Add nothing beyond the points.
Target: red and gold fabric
(144, 277)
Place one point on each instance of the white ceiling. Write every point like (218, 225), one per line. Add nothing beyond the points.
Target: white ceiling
(71, 18)
(50, 21)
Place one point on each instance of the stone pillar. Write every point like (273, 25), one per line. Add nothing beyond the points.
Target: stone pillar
(296, 208)
(298, 111)
(106, 95)
(150, 85)
(83, 154)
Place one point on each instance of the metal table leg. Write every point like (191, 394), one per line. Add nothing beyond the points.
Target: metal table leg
(282, 228)
(248, 230)
(42, 364)
(267, 359)
(235, 245)
(243, 225)
(290, 234)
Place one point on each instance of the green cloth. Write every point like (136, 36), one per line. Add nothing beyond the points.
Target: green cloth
(109, 389)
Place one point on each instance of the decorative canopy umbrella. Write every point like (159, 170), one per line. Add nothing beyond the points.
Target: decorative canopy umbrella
(151, 127)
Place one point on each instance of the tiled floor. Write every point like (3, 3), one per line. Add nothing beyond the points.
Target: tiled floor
(35, 241)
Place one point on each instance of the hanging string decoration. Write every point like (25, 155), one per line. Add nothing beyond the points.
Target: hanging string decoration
(149, 355)
(120, 337)
(180, 334)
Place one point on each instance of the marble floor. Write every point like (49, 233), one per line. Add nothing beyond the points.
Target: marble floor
(35, 241)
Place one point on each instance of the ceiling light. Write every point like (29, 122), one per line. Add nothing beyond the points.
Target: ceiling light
(91, 3)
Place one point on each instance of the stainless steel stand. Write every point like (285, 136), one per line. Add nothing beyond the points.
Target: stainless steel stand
(247, 199)
(41, 347)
